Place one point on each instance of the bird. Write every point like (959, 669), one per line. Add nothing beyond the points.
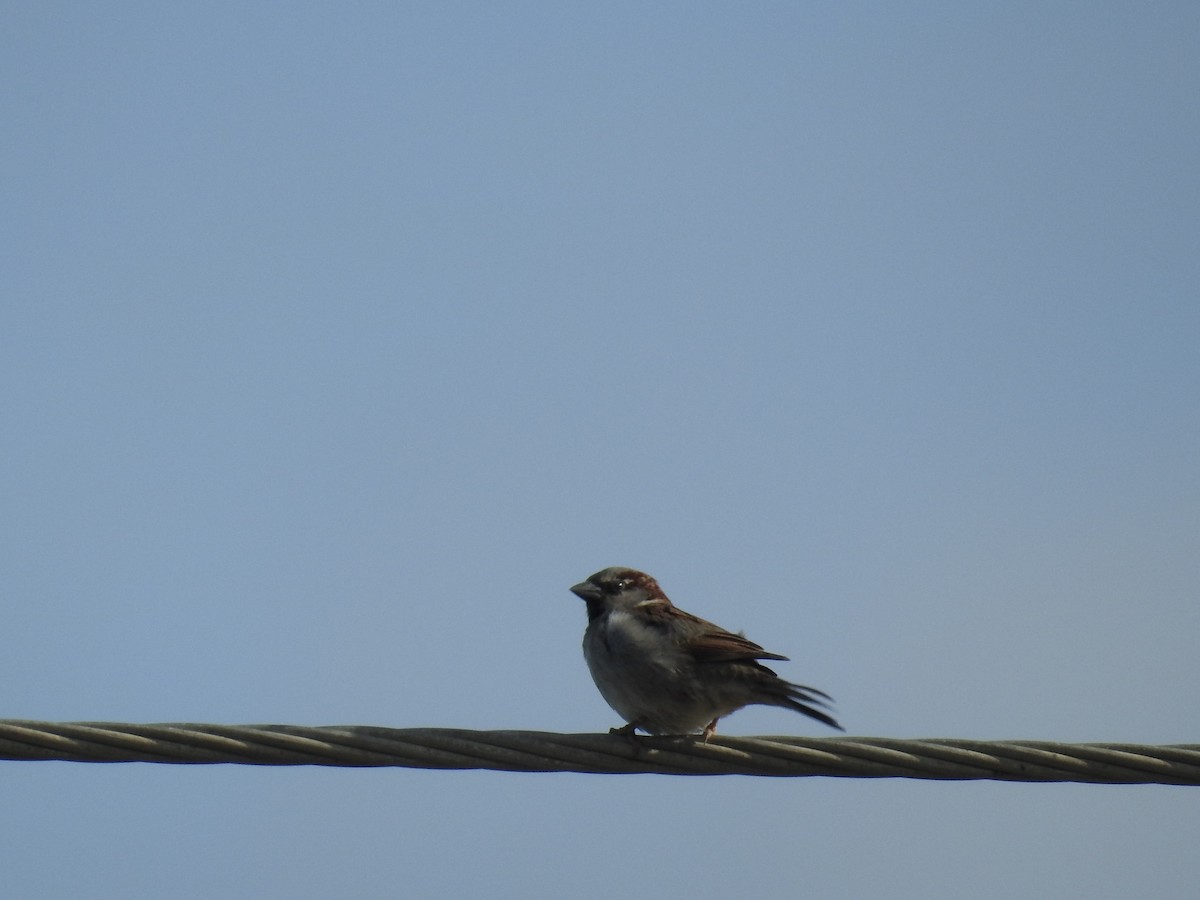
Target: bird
(666, 671)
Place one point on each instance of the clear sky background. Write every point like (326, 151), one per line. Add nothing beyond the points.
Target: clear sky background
(339, 340)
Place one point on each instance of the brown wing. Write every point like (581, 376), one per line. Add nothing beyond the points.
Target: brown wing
(719, 645)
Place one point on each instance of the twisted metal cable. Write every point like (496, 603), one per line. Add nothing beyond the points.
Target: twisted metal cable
(536, 751)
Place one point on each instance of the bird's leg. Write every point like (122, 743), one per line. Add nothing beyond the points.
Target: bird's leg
(629, 732)
(710, 729)
(628, 729)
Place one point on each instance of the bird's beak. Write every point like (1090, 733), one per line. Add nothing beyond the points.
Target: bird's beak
(585, 590)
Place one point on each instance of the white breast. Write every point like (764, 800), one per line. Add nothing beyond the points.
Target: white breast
(632, 665)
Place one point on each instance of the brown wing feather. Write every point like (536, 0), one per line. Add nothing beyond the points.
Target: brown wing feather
(712, 644)
(720, 645)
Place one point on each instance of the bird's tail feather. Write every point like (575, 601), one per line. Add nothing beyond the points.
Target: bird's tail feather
(810, 701)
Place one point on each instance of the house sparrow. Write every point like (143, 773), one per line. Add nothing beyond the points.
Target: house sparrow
(666, 671)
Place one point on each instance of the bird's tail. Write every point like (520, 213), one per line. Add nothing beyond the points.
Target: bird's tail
(808, 700)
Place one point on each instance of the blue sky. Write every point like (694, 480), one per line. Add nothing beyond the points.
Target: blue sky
(337, 342)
